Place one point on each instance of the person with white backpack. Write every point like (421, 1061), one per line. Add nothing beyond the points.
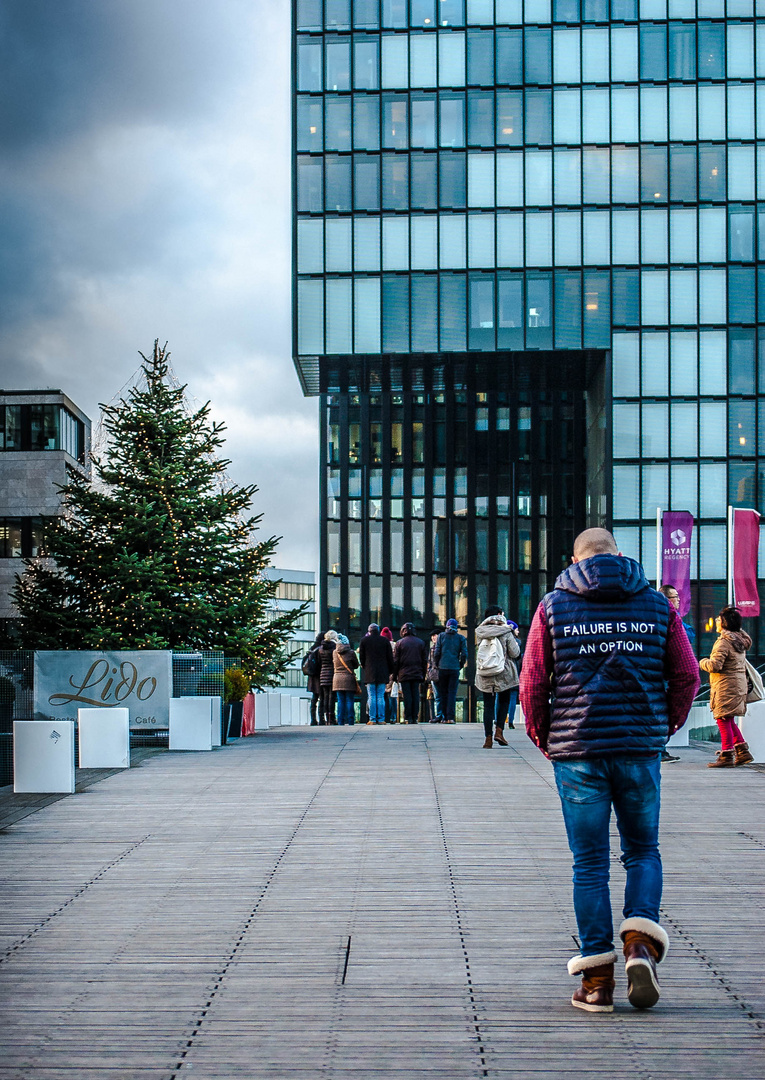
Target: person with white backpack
(496, 675)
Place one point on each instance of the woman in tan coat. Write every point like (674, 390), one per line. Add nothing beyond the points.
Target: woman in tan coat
(728, 687)
(344, 681)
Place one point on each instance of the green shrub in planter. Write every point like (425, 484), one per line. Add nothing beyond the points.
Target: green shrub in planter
(236, 685)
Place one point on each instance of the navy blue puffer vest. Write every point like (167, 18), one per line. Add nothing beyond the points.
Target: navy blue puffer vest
(609, 634)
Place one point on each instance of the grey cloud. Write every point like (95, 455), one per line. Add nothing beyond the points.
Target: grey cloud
(144, 166)
(67, 66)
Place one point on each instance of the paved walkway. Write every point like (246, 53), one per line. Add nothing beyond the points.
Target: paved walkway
(390, 904)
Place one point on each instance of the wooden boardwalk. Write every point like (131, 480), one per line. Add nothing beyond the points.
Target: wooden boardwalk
(387, 903)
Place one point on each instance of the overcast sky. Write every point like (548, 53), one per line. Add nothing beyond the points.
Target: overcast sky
(144, 193)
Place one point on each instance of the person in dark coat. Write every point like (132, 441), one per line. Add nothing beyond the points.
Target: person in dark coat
(376, 660)
(450, 655)
(314, 684)
(327, 674)
(411, 664)
(608, 674)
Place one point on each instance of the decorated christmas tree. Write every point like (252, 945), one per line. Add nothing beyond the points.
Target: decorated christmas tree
(157, 552)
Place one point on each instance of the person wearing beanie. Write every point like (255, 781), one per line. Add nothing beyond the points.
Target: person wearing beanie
(450, 655)
(376, 660)
(410, 666)
(327, 675)
(344, 681)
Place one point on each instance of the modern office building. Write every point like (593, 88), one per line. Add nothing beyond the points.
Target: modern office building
(43, 435)
(295, 588)
(527, 289)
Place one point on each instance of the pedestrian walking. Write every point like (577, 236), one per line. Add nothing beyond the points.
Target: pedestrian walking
(312, 669)
(432, 677)
(344, 681)
(376, 660)
(673, 597)
(327, 674)
(728, 687)
(608, 673)
(496, 674)
(450, 655)
(391, 687)
(410, 665)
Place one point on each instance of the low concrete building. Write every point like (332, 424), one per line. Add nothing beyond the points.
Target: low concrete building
(43, 434)
(297, 587)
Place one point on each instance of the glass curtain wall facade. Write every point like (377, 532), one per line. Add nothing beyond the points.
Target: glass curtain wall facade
(490, 177)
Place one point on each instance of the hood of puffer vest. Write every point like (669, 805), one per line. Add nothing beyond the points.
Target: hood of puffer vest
(608, 579)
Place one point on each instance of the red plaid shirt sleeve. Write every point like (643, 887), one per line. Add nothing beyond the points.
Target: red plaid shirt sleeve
(681, 670)
(535, 680)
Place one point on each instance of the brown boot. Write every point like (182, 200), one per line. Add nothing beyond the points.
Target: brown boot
(741, 754)
(723, 760)
(596, 993)
(487, 743)
(645, 944)
(500, 739)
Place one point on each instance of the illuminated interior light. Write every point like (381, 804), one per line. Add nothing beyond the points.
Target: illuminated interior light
(313, 130)
(742, 441)
(505, 131)
(714, 171)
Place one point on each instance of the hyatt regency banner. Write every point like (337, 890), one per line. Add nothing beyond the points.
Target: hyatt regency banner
(140, 681)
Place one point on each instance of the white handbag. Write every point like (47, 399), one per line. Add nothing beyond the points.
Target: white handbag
(754, 683)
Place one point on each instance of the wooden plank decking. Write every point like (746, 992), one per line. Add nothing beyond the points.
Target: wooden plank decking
(388, 903)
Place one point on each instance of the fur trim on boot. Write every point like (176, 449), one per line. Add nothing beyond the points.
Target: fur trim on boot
(742, 756)
(651, 930)
(579, 964)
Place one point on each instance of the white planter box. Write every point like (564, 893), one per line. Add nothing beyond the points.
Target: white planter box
(43, 756)
(190, 724)
(277, 713)
(104, 738)
(262, 712)
(216, 719)
(305, 710)
(681, 737)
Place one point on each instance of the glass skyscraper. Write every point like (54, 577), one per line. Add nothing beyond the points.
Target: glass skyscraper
(527, 289)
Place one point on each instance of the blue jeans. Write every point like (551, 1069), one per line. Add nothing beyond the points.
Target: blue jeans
(345, 713)
(448, 682)
(588, 789)
(511, 706)
(376, 698)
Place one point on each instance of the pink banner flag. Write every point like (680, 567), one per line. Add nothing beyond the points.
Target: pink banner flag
(746, 542)
(676, 532)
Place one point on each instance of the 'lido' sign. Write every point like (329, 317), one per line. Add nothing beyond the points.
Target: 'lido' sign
(65, 681)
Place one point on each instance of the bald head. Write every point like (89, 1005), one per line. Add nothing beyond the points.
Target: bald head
(594, 542)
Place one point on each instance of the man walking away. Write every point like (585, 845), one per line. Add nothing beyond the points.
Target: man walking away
(608, 674)
(450, 654)
(410, 664)
(376, 659)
